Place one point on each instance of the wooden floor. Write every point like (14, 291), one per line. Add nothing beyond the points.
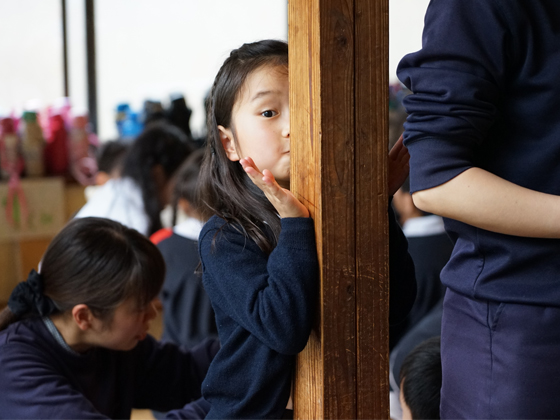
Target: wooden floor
(155, 329)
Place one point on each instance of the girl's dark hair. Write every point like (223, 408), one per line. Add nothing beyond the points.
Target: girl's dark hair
(186, 181)
(159, 144)
(225, 189)
(110, 156)
(100, 263)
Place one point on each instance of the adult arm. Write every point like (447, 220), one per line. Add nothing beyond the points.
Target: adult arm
(486, 201)
(459, 80)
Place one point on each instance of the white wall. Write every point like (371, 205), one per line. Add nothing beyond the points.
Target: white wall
(406, 21)
(147, 48)
(146, 51)
(30, 53)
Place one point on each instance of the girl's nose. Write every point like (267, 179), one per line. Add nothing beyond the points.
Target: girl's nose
(286, 128)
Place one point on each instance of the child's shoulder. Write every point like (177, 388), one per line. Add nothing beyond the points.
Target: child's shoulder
(217, 224)
(26, 336)
(218, 231)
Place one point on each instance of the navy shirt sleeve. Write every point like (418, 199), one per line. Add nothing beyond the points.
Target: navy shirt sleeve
(456, 79)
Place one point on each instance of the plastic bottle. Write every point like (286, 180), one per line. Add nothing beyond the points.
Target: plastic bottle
(123, 111)
(82, 165)
(56, 149)
(153, 111)
(10, 149)
(179, 114)
(33, 145)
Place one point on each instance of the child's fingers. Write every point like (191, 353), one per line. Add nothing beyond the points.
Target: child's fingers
(399, 151)
(283, 200)
(250, 168)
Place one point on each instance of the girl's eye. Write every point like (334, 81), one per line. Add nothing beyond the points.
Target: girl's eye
(268, 114)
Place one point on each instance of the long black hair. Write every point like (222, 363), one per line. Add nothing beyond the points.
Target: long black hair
(225, 189)
(100, 263)
(159, 144)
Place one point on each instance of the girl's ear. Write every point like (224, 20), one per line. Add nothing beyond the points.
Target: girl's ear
(83, 316)
(226, 136)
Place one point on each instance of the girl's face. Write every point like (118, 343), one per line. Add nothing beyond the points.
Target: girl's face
(128, 326)
(261, 123)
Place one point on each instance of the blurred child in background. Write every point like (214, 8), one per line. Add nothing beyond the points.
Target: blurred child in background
(137, 198)
(110, 157)
(188, 317)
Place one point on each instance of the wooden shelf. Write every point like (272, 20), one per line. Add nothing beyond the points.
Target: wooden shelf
(51, 203)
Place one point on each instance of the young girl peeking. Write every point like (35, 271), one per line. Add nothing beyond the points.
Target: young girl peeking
(257, 248)
(73, 340)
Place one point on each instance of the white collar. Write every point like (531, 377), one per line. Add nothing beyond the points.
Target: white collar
(190, 228)
(423, 226)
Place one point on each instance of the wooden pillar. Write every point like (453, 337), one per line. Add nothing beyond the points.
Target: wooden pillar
(339, 113)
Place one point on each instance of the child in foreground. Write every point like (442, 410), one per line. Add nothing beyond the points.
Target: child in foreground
(73, 339)
(257, 249)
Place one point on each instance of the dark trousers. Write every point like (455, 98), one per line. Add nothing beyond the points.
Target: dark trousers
(499, 360)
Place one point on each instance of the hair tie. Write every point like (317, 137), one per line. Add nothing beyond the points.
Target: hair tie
(28, 297)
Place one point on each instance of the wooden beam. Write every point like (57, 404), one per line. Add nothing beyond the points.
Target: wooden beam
(91, 64)
(64, 48)
(339, 109)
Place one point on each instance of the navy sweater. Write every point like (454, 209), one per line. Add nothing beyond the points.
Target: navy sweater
(40, 379)
(264, 309)
(486, 94)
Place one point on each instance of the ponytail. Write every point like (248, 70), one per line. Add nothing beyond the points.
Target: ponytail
(27, 298)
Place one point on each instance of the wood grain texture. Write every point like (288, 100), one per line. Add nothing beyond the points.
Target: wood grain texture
(372, 291)
(338, 103)
(305, 101)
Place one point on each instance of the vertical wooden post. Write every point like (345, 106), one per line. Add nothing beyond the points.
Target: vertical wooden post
(91, 64)
(339, 106)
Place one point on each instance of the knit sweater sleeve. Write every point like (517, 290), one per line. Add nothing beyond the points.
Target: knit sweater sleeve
(273, 297)
(456, 79)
